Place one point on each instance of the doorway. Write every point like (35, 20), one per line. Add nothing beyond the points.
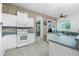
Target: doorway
(39, 26)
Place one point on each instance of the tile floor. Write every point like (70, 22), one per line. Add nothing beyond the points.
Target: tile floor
(39, 48)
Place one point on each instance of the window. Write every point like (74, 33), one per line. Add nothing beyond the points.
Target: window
(65, 25)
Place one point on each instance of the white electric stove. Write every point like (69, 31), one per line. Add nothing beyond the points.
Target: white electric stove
(22, 37)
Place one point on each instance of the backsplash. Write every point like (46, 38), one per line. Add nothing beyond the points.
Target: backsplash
(13, 30)
(8, 29)
(30, 30)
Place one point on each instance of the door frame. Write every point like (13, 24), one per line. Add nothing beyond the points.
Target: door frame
(40, 18)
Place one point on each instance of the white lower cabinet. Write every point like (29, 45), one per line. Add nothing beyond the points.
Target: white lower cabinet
(4, 44)
(31, 37)
(10, 41)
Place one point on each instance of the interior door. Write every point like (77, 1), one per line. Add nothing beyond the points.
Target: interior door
(0, 29)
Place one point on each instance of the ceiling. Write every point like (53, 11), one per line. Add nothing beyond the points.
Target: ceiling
(52, 9)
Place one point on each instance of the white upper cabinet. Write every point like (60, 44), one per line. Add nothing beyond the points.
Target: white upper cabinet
(22, 19)
(9, 20)
(30, 22)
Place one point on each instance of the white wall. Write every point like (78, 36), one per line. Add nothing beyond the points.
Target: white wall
(58, 50)
(58, 23)
(74, 22)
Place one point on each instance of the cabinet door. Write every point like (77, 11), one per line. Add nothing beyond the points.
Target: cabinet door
(31, 37)
(10, 41)
(30, 22)
(21, 19)
(9, 20)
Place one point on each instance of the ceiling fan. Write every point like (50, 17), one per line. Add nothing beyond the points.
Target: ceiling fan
(63, 16)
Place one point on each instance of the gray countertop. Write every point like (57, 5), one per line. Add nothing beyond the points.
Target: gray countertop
(68, 41)
(13, 33)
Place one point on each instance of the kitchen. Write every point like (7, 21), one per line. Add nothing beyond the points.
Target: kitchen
(42, 29)
(19, 30)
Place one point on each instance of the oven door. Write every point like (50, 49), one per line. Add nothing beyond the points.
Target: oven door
(22, 38)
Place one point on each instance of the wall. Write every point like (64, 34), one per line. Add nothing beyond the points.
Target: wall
(58, 23)
(12, 9)
(74, 22)
(58, 50)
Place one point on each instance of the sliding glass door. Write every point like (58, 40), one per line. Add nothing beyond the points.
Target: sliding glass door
(52, 26)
